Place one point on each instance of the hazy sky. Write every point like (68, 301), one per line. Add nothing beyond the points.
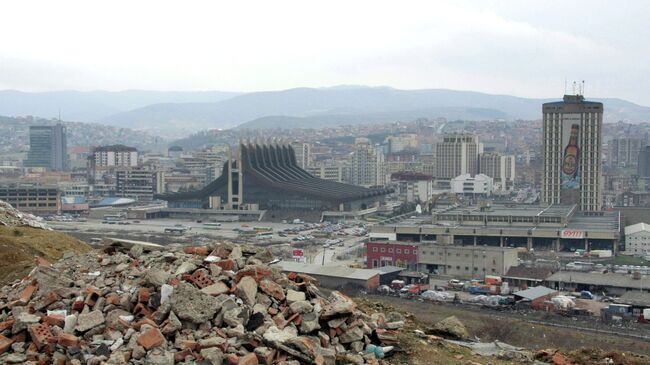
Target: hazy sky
(524, 48)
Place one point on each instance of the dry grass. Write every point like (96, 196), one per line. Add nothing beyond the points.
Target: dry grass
(20, 245)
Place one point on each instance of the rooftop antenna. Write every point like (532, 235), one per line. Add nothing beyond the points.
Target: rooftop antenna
(564, 85)
(582, 91)
(574, 88)
(59, 115)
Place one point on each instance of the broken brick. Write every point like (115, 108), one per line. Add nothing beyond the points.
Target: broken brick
(41, 334)
(143, 295)
(151, 338)
(5, 344)
(67, 340)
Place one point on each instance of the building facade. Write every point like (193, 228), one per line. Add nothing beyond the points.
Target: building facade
(332, 172)
(479, 184)
(643, 168)
(466, 261)
(35, 199)
(303, 154)
(499, 167)
(387, 253)
(48, 148)
(367, 164)
(572, 153)
(637, 239)
(624, 152)
(412, 187)
(138, 184)
(457, 154)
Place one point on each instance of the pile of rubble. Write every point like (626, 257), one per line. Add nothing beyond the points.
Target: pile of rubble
(9, 216)
(200, 305)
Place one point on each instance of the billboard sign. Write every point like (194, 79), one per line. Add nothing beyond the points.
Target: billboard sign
(297, 252)
(571, 159)
(572, 234)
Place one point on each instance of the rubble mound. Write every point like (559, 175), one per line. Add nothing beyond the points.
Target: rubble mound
(23, 239)
(9, 216)
(200, 305)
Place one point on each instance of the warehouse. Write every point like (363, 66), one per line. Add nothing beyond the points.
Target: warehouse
(334, 277)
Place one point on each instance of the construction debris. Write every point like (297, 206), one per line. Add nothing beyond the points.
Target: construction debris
(201, 305)
(9, 216)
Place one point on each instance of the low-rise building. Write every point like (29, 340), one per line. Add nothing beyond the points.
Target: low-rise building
(637, 239)
(412, 187)
(334, 277)
(465, 261)
(35, 199)
(387, 253)
(467, 184)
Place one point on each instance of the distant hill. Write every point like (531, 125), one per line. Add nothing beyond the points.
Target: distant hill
(307, 107)
(177, 114)
(93, 106)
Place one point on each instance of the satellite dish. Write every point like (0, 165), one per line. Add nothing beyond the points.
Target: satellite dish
(418, 209)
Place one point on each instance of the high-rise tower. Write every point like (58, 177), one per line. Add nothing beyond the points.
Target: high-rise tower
(572, 153)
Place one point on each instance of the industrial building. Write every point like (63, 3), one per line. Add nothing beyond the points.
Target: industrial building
(555, 227)
(35, 199)
(266, 176)
(465, 261)
(390, 253)
(334, 277)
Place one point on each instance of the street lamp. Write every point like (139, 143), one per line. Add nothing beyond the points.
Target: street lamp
(484, 270)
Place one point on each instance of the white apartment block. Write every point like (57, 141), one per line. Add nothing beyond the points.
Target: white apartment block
(637, 239)
(367, 164)
(456, 155)
(499, 167)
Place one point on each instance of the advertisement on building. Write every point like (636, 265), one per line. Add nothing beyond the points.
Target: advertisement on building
(570, 170)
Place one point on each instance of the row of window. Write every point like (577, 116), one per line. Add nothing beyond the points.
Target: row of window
(397, 250)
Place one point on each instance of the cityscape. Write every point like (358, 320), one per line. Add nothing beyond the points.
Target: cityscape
(293, 223)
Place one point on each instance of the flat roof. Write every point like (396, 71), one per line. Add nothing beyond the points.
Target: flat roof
(535, 292)
(331, 271)
(507, 209)
(597, 279)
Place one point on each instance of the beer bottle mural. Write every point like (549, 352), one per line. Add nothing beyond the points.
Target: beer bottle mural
(571, 159)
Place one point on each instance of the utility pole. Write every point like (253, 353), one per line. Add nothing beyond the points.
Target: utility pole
(323, 263)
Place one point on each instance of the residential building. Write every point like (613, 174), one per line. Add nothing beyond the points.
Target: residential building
(643, 168)
(479, 184)
(390, 253)
(637, 239)
(624, 152)
(135, 183)
(367, 164)
(572, 141)
(303, 154)
(36, 199)
(338, 172)
(105, 159)
(501, 168)
(466, 261)
(47, 148)
(412, 187)
(456, 155)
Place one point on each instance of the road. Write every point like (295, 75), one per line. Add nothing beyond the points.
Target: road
(350, 245)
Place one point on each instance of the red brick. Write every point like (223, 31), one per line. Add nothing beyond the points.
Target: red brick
(8, 323)
(78, 305)
(181, 355)
(221, 251)
(197, 250)
(92, 294)
(144, 321)
(188, 345)
(257, 272)
(27, 293)
(273, 289)
(272, 311)
(142, 309)
(67, 340)
(5, 344)
(150, 339)
(46, 301)
(54, 320)
(41, 334)
(113, 299)
(248, 359)
(200, 280)
(143, 295)
(174, 281)
(226, 264)
(231, 359)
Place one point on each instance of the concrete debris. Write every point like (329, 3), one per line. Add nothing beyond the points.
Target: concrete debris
(451, 327)
(9, 216)
(134, 305)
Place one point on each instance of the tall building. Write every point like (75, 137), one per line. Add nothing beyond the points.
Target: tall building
(456, 155)
(499, 167)
(572, 153)
(643, 167)
(624, 152)
(367, 165)
(47, 147)
(303, 154)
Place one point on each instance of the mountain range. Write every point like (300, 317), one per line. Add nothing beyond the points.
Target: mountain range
(181, 113)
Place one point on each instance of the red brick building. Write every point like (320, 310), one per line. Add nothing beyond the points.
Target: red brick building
(390, 253)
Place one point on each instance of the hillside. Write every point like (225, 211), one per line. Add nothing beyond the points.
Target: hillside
(22, 240)
(307, 107)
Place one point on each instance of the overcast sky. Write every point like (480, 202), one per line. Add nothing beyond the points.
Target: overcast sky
(523, 48)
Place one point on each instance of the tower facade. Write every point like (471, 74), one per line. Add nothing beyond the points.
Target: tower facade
(456, 155)
(47, 147)
(572, 149)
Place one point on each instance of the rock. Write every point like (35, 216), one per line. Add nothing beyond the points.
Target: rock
(159, 357)
(295, 296)
(189, 303)
(212, 354)
(309, 323)
(165, 292)
(452, 327)
(273, 289)
(216, 289)
(24, 320)
(274, 334)
(136, 251)
(351, 335)
(247, 290)
(185, 267)
(301, 307)
(89, 320)
(155, 277)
